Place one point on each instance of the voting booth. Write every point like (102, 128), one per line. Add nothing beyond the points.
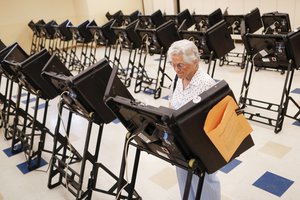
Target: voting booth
(201, 136)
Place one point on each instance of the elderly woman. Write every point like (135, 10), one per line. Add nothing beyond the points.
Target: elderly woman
(191, 82)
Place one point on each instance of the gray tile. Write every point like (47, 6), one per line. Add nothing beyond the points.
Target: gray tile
(275, 149)
(165, 178)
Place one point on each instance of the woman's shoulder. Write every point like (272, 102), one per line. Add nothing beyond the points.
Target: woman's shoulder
(204, 78)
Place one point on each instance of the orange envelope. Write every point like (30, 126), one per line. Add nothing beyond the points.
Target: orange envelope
(225, 128)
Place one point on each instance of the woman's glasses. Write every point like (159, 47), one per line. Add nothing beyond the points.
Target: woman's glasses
(179, 65)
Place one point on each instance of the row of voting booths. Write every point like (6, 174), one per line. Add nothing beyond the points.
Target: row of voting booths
(144, 35)
(55, 36)
(197, 137)
(140, 35)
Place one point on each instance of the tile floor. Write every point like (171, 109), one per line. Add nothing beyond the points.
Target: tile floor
(268, 171)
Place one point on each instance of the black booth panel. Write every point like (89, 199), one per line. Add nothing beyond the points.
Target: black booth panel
(113, 16)
(234, 23)
(268, 50)
(134, 15)
(149, 34)
(91, 24)
(149, 127)
(16, 54)
(2, 45)
(56, 73)
(167, 34)
(253, 21)
(189, 122)
(115, 87)
(294, 48)
(98, 32)
(127, 19)
(139, 117)
(31, 68)
(48, 29)
(118, 16)
(5, 51)
(132, 35)
(231, 19)
(84, 32)
(127, 35)
(145, 22)
(215, 17)
(201, 19)
(65, 31)
(31, 25)
(157, 18)
(89, 87)
(185, 15)
(11, 61)
(108, 33)
(254, 43)
(36, 27)
(93, 27)
(219, 39)
(81, 32)
(55, 65)
(85, 91)
(279, 21)
(199, 39)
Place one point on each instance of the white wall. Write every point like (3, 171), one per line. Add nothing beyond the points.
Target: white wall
(167, 6)
(15, 15)
(97, 9)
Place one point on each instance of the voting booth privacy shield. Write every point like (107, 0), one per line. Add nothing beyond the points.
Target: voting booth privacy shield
(211, 128)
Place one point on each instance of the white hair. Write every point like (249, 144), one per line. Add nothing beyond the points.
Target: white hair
(186, 48)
